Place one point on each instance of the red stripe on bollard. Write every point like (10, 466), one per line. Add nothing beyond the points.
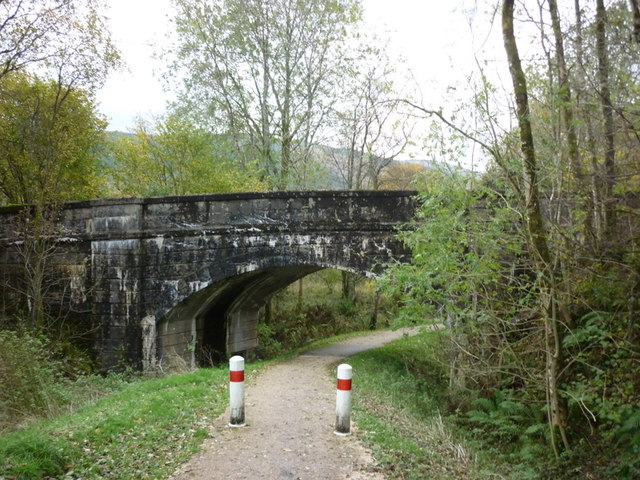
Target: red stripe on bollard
(236, 375)
(344, 384)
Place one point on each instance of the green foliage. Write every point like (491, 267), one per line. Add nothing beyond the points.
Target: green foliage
(456, 246)
(470, 271)
(322, 313)
(29, 378)
(36, 380)
(399, 390)
(32, 455)
(281, 61)
(603, 387)
(50, 139)
(269, 345)
(347, 307)
(519, 428)
(175, 158)
(464, 247)
(627, 437)
(542, 302)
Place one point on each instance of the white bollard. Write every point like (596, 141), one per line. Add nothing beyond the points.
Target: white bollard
(236, 391)
(343, 400)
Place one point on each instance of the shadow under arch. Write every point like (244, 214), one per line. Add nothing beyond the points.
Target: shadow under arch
(221, 319)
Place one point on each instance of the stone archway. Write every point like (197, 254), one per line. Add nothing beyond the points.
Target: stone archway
(144, 264)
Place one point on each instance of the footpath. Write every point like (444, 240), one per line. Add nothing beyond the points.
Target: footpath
(290, 416)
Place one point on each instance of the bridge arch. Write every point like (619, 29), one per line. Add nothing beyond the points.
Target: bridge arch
(221, 316)
(156, 273)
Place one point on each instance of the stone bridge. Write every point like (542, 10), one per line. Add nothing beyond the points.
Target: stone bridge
(172, 279)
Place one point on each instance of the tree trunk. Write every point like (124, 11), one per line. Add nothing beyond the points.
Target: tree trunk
(594, 222)
(268, 311)
(537, 235)
(564, 92)
(373, 321)
(266, 140)
(535, 226)
(300, 295)
(635, 9)
(348, 286)
(607, 113)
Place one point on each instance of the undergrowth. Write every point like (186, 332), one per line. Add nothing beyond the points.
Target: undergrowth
(398, 391)
(402, 406)
(418, 429)
(36, 381)
(316, 309)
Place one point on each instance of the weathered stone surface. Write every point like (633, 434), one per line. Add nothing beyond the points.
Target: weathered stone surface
(177, 279)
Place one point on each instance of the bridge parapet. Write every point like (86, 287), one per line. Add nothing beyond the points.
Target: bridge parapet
(113, 217)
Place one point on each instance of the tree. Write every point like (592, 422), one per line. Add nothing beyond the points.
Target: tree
(50, 138)
(636, 20)
(263, 72)
(50, 145)
(540, 322)
(401, 176)
(607, 114)
(537, 239)
(174, 157)
(564, 92)
(49, 128)
(67, 39)
(371, 128)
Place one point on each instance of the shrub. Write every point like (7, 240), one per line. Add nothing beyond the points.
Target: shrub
(627, 436)
(29, 378)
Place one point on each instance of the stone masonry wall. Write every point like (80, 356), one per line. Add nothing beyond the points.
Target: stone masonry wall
(158, 265)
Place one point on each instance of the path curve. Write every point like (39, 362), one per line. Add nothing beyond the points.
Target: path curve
(290, 415)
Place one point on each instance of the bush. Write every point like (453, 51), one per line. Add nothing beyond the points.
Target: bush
(29, 378)
(627, 437)
(347, 307)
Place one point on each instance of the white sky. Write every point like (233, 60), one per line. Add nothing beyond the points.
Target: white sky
(432, 36)
(137, 91)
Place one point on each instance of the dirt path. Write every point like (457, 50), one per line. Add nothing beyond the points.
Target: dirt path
(290, 414)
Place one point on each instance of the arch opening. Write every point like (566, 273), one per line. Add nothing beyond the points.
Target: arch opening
(221, 319)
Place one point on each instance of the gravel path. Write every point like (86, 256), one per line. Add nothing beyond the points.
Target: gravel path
(290, 415)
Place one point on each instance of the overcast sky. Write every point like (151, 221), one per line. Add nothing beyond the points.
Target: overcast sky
(433, 37)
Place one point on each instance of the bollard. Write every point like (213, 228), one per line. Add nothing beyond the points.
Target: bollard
(236, 391)
(343, 400)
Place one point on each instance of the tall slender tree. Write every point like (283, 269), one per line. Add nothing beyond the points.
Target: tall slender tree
(371, 128)
(263, 72)
(564, 92)
(607, 114)
(536, 233)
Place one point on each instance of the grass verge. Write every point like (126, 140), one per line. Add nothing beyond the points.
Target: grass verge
(144, 431)
(398, 390)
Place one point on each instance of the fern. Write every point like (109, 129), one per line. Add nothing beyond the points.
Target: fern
(504, 419)
(627, 436)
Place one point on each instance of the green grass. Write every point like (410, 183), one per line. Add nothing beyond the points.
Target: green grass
(144, 431)
(398, 390)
